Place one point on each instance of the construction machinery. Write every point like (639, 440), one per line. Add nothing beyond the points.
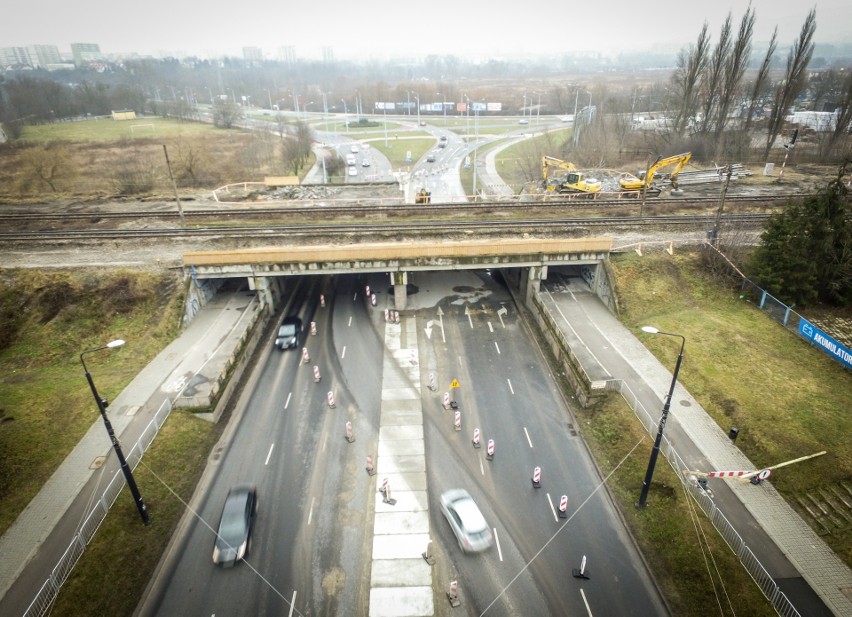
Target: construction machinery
(423, 197)
(631, 186)
(573, 182)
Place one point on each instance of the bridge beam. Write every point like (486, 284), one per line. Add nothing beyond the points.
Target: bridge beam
(400, 289)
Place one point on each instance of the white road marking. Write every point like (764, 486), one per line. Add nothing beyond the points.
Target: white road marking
(470, 319)
(481, 467)
(354, 296)
(269, 454)
(287, 402)
(529, 441)
(311, 511)
(511, 389)
(497, 542)
(497, 346)
(292, 604)
(349, 324)
(552, 509)
(343, 353)
(586, 602)
(490, 327)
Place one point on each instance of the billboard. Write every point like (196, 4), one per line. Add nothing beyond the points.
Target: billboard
(495, 106)
(384, 106)
(833, 348)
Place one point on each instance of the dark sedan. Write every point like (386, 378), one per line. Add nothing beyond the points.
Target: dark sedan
(234, 534)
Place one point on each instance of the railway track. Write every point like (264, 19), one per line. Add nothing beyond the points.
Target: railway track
(359, 207)
(492, 225)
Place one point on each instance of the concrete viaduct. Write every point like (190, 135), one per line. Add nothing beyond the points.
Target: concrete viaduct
(530, 258)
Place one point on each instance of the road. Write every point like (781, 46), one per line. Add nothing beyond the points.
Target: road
(312, 539)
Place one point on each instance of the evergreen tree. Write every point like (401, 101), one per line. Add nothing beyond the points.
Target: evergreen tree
(805, 254)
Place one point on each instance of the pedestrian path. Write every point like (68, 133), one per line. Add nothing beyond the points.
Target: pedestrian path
(401, 580)
(621, 354)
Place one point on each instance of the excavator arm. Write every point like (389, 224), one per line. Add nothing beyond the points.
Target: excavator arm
(630, 182)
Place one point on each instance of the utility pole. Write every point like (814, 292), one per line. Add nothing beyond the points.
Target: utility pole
(714, 234)
(174, 185)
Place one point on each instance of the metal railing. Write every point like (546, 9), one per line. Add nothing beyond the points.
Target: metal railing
(48, 592)
(719, 521)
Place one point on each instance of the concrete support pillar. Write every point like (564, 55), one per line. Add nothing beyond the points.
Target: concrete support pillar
(267, 291)
(400, 290)
(531, 279)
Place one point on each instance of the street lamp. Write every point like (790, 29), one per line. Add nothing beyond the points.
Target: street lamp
(443, 106)
(345, 115)
(649, 474)
(417, 98)
(102, 405)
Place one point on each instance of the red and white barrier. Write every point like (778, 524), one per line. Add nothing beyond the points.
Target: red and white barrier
(414, 357)
(396, 316)
(305, 357)
(446, 400)
(368, 291)
(316, 374)
(322, 300)
(453, 594)
(373, 299)
(371, 471)
(350, 437)
(536, 477)
(476, 438)
(331, 399)
(313, 328)
(432, 385)
(489, 450)
(563, 506)
(457, 421)
(387, 315)
(386, 492)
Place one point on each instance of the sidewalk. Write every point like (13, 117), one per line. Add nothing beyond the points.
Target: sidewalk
(192, 365)
(618, 351)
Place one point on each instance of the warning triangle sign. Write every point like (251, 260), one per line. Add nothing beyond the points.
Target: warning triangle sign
(455, 384)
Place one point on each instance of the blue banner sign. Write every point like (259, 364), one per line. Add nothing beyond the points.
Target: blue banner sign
(830, 346)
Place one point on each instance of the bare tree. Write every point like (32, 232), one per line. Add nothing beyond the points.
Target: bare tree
(711, 80)
(47, 166)
(293, 156)
(843, 118)
(760, 81)
(226, 114)
(690, 66)
(735, 67)
(795, 79)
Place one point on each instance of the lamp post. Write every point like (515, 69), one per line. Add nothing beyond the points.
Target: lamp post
(417, 98)
(649, 474)
(345, 115)
(102, 405)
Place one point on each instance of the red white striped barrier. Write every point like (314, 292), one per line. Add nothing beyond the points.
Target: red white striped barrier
(457, 421)
(305, 357)
(476, 438)
(313, 328)
(581, 573)
(396, 316)
(414, 356)
(322, 300)
(373, 299)
(386, 492)
(349, 436)
(453, 594)
(432, 385)
(536, 478)
(331, 399)
(387, 315)
(489, 451)
(563, 506)
(727, 474)
(446, 400)
(427, 555)
(316, 374)
(368, 291)
(371, 471)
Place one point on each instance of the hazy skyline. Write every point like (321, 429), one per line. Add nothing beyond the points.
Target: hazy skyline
(358, 31)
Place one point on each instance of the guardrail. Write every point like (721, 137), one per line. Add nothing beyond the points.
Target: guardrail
(48, 592)
(730, 535)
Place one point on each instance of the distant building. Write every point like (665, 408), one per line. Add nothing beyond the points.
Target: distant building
(15, 57)
(287, 54)
(253, 54)
(86, 53)
(45, 56)
(328, 54)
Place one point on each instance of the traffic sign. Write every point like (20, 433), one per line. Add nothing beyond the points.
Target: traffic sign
(455, 384)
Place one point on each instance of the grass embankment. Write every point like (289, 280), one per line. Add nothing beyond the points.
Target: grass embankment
(786, 397)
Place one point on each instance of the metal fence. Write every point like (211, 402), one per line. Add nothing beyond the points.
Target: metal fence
(748, 560)
(46, 596)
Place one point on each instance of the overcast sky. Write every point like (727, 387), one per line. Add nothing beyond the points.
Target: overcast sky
(358, 29)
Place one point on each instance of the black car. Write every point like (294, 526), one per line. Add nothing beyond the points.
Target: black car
(234, 534)
(289, 334)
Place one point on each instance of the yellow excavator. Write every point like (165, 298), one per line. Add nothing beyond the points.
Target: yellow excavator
(423, 197)
(574, 182)
(631, 186)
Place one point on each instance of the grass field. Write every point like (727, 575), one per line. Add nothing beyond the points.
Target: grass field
(112, 130)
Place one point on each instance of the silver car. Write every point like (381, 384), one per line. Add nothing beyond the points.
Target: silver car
(466, 521)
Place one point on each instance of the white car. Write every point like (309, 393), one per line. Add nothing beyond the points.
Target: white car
(354, 149)
(353, 171)
(469, 526)
(523, 121)
(365, 163)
